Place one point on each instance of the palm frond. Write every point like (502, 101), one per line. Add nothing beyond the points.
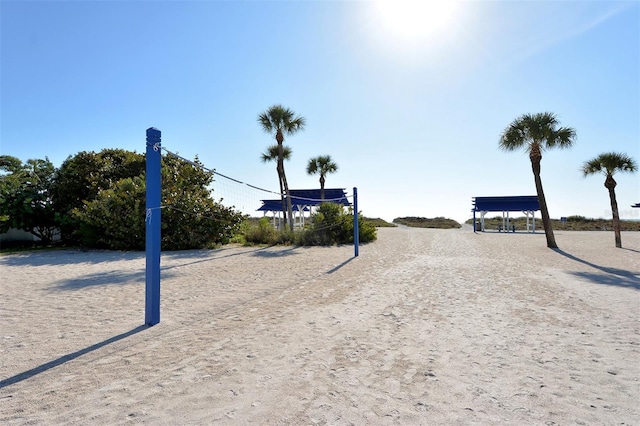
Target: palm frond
(564, 137)
(321, 165)
(609, 163)
(591, 167)
(540, 130)
(271, 153)
(513, 137)
(312, 166)
(278, 117)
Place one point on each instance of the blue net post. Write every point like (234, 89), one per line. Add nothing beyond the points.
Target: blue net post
(356, 230)
(153, 222)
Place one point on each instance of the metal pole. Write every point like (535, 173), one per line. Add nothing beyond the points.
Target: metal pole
(356, 230)
(153, 222)
(474, 220)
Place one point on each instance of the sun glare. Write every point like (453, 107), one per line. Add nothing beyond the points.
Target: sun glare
(415, 20)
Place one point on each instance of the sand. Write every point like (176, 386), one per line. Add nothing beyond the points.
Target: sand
(425, 327)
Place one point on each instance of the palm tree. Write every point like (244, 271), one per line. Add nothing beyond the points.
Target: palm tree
(280, 120)
(270, 155)
(608, 164)
(535, 133)
(321, 165)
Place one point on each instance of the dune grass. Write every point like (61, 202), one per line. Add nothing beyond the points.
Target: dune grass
(423, 222)
(573, 223)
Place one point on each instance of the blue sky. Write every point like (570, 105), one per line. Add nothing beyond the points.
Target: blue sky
(411, 115)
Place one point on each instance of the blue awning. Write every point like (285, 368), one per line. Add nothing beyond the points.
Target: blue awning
(506, 204)
(307, 198)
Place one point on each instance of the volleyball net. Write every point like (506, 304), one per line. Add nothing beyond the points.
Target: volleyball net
(247, 199)
(229, 192)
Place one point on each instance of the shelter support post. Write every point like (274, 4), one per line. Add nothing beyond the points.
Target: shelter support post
(474, 221)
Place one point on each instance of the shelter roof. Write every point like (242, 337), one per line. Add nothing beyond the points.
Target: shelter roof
(276, 206)
(308, 197)
(636, 205)
(311, 197)
(506, 204)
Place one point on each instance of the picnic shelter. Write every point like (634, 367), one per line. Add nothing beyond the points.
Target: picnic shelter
(303, 202)
(527, 204)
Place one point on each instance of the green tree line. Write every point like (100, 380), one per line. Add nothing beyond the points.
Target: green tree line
(98, 200)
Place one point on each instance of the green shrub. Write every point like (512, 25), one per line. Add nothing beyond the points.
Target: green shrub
(332, 225)
(261, 232)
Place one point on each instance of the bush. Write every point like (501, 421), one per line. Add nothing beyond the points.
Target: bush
(332, 225)
(261, 232)
(328, 226)
(115, 217)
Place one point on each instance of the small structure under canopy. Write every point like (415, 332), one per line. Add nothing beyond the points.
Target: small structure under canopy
(528, 204)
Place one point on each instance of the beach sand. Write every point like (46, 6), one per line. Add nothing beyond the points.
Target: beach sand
(425, 327)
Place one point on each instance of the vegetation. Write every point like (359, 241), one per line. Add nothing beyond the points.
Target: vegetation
(330, 225)
(608, 164)
(25, 200)
(423, 222)
(280, 120)
(99, 201)
(536, 133)
(379, 223)
(573, 223)
(322, 166)
(82, 177)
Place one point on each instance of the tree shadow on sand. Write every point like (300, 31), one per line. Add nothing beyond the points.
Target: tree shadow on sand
(137, 277)
(200, 256)
(66, 358)
(276, 253)
(607, 275)
(69, 257)
(101, 279)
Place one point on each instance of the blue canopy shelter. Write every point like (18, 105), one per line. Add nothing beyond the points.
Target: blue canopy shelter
(528, 204)
(304, 200)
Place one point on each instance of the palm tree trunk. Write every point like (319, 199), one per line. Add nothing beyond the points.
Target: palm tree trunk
(546, 220)
(610, 184)
(322, 180)
(283, 177)
(289, 206)
(284, 207)
(280, 169)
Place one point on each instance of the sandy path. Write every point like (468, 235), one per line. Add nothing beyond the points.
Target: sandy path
(424, 327)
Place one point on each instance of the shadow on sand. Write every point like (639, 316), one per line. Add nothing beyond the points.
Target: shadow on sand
(278, 253)
(629, 249)
(69, 257)
(66, 358)
(606, 276)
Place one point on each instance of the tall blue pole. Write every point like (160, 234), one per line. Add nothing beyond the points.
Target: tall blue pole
(153, 222)
(356, 230)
